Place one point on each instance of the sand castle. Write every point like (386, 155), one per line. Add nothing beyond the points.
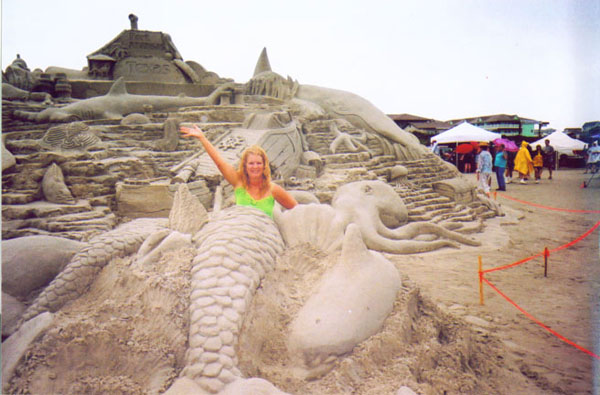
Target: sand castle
(162, 294)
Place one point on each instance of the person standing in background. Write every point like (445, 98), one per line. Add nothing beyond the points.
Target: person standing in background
(538, 163)
(435, 148)
(549, 157)
(523, 162)
(510, 166)
(500, 161)
(484, 168)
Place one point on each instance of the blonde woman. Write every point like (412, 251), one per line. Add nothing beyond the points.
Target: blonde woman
(252, 180)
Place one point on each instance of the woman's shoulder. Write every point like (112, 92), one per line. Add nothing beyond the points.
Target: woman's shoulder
(275, 188)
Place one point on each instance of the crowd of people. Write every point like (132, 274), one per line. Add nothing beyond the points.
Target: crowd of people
(487, 158)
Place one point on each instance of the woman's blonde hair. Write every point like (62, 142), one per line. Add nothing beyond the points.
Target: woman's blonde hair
(243, 174)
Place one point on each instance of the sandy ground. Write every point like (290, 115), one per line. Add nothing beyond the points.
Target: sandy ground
(128, 334)
(567, 300)
(439, 339)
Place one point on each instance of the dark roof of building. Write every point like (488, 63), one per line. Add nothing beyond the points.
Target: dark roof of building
(407, 117)
(497, 118)
(432, 124)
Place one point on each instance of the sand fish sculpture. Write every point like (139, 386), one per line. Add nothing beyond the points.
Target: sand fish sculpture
(118, 103)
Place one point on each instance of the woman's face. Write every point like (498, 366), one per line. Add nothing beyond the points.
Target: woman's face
(254, 166)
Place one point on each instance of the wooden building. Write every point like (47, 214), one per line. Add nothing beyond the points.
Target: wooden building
(507, 125)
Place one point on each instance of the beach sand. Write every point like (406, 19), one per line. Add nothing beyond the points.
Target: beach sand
(128, 334)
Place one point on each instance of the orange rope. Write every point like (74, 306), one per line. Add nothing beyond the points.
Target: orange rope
(543, 253)
(577, 240)
(561, 337)
(549, 208)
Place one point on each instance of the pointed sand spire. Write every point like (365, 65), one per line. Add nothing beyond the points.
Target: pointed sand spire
(263, 63)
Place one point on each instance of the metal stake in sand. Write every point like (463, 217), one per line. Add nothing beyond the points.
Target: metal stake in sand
(546, 254)
(480, 282)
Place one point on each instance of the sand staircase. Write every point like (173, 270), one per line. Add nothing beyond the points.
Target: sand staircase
(423, 203)
(91, 175)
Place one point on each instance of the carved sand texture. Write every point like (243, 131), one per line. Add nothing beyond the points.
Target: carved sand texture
(420, 346)
(77, 276)
(126, 335)
(236, 248)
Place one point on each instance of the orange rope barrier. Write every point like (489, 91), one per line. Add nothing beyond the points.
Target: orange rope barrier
(545, 254)
(577, 240)
(561, 337)
(549, 208)
(583, 236)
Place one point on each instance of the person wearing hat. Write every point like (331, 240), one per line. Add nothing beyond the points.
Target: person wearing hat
(484, 168)
(523, 162)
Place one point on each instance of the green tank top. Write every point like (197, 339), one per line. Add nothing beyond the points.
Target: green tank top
(243, 198)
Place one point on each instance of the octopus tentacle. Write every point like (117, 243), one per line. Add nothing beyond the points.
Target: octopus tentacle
(377, 242)
(236, 248)
(77, 276)
(413, 229)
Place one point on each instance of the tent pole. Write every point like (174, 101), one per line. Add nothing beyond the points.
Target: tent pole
(456, 156)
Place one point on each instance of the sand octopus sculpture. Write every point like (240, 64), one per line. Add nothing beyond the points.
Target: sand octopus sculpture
(379, 213)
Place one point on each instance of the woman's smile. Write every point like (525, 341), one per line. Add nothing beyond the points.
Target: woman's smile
(254, 166)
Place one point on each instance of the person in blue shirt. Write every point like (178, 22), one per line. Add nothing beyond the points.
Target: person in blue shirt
(484, 168)
(500, 165)
(435, 147)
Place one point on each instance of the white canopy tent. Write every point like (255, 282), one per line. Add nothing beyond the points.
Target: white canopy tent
(562, 143)
(464, 133)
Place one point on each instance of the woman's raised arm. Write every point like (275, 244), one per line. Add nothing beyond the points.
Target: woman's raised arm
(283, 197)
(225, 168)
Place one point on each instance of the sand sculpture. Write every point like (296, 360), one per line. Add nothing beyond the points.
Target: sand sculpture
(378, 212)
(87, 262)
(117, 104)
(372, 181)
(19, 76)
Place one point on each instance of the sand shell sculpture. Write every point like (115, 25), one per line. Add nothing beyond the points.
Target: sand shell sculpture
(54, 187)
(70, 136)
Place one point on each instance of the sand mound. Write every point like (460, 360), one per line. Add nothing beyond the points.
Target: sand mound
(420, 346)
(128, 334)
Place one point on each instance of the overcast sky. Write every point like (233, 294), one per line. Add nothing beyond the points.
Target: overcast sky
(438, 59)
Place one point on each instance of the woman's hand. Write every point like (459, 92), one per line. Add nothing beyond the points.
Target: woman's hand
(225, 168)
(195, 131)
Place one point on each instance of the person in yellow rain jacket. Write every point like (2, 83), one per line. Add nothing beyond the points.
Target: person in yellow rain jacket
(523, 163)
(538, 163)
